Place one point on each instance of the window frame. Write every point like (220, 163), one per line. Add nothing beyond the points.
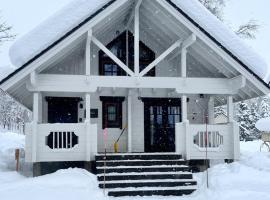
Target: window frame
(104, 59)
(118, 103)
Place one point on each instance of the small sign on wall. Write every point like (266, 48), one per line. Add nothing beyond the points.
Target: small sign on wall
(94, 113)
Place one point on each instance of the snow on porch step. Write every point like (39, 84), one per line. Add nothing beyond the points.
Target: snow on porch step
(150, 191)
(140, 162)
(153, 168)
(145, 176)
(139, 156)
(148, 183)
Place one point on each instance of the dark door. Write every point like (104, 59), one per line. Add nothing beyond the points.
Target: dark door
(160, 118)
(62, 109)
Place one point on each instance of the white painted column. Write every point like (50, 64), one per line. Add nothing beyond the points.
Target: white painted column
(137, 38)
(211, 110)
(88, 126)
(183, 63)
(129, 111)
(88, 107)
(184, 75)
(37, 118)
(230, 108)
(88, 53)
(184, 108)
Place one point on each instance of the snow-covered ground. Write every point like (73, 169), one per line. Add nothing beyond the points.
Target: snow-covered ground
(248, 179)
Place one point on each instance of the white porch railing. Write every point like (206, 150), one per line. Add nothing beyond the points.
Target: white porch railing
(220, 141)
(60, 142)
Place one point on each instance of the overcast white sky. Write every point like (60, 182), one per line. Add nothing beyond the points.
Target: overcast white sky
(23, 15)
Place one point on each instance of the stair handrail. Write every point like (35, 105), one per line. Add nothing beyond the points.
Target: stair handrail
(121, 134)
(116, 142)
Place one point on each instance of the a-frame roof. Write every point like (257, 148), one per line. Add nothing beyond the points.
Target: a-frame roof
(46, 36)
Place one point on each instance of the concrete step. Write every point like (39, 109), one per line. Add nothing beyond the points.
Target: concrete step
(139, 162)
(144, 176)
(139, 156)
(154, 168)
(150, 191)
(147, 183)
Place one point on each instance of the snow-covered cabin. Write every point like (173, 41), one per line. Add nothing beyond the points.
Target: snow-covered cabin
(156, 67)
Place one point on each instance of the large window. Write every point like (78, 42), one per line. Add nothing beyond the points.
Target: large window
(107, 67)
(112, 112)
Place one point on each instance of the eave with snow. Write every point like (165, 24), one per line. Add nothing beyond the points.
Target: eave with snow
(198, 64)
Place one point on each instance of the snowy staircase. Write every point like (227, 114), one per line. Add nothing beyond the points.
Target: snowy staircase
(145, 175)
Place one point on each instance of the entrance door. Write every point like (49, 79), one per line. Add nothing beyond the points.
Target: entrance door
(160, 118)
(62, 109)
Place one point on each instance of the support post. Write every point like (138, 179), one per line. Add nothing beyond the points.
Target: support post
(211, 112)
(88, 126)
(129, 123)
(87, 107)
(37, 117)
(230, 109)
(137, 38)
(184, 108)
(88, 53)
(184, 63)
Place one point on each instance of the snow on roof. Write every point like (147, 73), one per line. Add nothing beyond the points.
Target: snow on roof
(5, 71)
(48, 32)
(28, 46)
(263, 124)
(195, 10)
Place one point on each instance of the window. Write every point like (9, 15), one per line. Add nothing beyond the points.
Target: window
(112, 112)
(107, 67)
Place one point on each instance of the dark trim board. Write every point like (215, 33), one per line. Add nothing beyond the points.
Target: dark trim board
(110, 3)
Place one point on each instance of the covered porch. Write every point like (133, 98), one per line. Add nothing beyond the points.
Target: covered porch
(185, 66)
(153, 120)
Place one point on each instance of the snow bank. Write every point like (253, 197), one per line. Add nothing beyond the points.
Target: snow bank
(8, 143)
(247, 179)
(225, 36)
(67, 184)
(34, 42)
(28, 46)
(263, 124)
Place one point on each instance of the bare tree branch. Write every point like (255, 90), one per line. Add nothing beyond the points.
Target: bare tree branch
(248, 30)
(5, 32)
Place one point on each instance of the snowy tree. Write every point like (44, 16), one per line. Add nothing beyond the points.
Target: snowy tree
(12, 114)
(215, 6)
(246, 31)
(220, 110)
(243, 118)
(249, 112)
(264, 107)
